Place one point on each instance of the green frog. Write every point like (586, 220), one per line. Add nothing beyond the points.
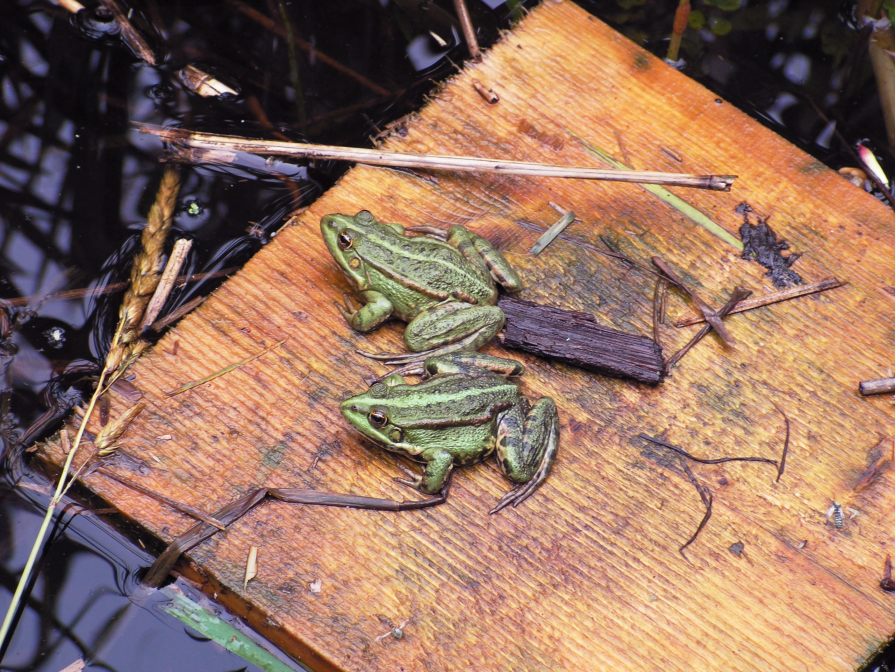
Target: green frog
(467, 410)
(446, 290)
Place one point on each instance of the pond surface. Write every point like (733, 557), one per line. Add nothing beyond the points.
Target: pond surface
(77, 179)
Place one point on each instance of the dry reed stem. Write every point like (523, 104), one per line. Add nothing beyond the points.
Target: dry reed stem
(376, 157)
(72, 294)
(201, 83)
(768, 299)
(72, 6)
(146, 268)
(468, 30)
(130, 35)
(166, 283)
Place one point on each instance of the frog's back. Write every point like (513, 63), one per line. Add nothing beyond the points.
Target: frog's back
(451, 399)
(423, 271)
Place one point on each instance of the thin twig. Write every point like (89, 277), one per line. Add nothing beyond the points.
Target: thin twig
(73, 294)
(166, 283)
(879, 386)
(183, 508)
(468, 30)
(225, 370)
(774, 297)
(785, 445)
(236, 510)
(720, 460)
(710, 315)
(376, 157)
(738, 295)
(658, 304)
(175, 315)
(706, 495)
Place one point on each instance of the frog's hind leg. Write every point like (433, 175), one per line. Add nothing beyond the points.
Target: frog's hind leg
(482, 253)
(447, 327)
(526, 448)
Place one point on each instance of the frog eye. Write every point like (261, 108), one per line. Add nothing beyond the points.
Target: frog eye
(345, 240)
(378, 419)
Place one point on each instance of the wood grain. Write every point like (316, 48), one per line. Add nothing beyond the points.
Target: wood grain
(585, 573)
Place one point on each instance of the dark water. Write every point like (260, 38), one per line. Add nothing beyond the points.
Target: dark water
(76, 181)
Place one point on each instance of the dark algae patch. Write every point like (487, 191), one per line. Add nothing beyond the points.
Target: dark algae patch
(761, 244)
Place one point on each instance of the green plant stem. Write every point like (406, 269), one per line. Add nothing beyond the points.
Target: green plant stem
(188, 612)
(57, 497)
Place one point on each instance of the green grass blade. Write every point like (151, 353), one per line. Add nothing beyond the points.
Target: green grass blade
(188, 612)
(675, 202)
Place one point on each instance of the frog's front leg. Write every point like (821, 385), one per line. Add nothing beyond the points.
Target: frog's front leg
(376, 310)
(526, 448)
(479, 251)
(439, 464)
(452, 326)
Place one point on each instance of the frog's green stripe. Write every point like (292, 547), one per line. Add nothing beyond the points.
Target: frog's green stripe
(421, 253)
(437, 423)
(389, 272)
(451, 403)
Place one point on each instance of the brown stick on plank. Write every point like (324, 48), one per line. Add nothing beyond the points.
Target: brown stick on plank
(880, 386)
(575, 338)
(774, 297)
(198, 533)
(738, 295)
(710, 315)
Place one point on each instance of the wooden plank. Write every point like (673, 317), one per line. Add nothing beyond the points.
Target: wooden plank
(587, 570)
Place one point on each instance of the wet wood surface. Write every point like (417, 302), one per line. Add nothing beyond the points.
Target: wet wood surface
(587, 571)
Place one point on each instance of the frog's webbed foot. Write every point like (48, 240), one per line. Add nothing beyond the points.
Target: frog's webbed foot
(349, 308)
(410, 483)
(417, 358)
(527, 458)
(409, 370)
(522, 492)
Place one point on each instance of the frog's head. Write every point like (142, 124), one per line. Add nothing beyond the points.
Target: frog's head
(342, 233)
(368, 413)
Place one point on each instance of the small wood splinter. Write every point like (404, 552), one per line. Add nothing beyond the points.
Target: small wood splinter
(880, 386)
(487, 94)
(887, 583)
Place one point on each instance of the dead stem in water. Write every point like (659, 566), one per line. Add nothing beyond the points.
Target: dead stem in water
(375, 157)
(468, 30)
(144, 278)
